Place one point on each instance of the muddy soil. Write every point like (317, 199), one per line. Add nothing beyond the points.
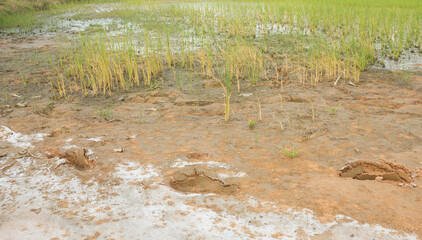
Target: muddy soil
(178, 158)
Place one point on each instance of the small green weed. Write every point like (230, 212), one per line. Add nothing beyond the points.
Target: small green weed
(333, 110)
(106, 113)
(46, 109)
(291, 153)
(405, 78)
(154, 85)
(256, 139)
(252, 123)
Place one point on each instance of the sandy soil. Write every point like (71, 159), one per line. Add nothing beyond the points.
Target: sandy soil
(167, 165)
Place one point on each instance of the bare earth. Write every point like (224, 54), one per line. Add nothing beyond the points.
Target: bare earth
(165, 164)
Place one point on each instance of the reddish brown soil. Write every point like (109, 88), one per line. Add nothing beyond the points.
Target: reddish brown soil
(380, 119)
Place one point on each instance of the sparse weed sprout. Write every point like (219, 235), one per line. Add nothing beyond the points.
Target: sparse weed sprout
(256, 140)
(333, 110)
(106, 113)
(252, 123)
(46, 109)
(291, 153)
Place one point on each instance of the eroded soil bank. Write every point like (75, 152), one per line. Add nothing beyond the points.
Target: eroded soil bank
(167, 165)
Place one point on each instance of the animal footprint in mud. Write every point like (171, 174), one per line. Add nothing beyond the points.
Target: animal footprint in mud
(192, 179)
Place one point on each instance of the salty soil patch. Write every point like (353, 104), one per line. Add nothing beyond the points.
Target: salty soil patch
(195, 180)
(18, 139)
(384, 171)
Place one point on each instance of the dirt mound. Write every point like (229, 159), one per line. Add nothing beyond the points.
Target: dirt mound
(196, 155)
(191, 102)
(383, 171)
(191, 179)
(75, 157)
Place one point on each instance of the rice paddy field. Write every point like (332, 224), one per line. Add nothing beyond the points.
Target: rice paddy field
(139, 119)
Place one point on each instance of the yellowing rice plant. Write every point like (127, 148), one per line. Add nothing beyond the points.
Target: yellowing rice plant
(328, 40)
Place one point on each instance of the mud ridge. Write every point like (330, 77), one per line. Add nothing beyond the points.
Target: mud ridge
(382, 171)
(191, 179)
(75, 157)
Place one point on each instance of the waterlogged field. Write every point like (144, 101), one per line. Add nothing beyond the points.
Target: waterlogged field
(221, 119)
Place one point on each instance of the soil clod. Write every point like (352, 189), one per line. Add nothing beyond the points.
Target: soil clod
(196, 155)
(194, 180)
(383, 171)
(22, 104)
(75, 157)
(118, 150)
(192, 102)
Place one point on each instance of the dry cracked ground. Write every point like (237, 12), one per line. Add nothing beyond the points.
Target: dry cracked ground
(164, 164)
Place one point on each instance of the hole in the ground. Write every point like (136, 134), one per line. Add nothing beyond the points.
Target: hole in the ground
(195, 180)
(383, 171)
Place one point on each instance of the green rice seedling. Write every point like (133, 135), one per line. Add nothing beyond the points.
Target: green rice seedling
(24, 79)
(4, 92)
(259, 110)
(98, 66)
(179, 79)
(226, 85)
(404, 77)
(190, 83)
(169, 55)
(227, 93)
(245, 61)
(209, 61)
(202, 61)
(23, 20)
